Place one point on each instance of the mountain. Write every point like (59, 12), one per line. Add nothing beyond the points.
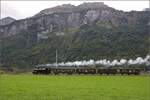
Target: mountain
(58, 9)
(6, 20)
(147, 9)
(88, 31)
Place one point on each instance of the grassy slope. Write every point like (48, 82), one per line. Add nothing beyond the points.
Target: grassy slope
(30, 87)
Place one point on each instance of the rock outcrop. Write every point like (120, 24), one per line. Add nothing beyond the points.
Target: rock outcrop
(61, 17)
(6, 20)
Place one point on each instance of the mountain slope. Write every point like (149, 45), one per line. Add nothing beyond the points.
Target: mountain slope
(6, 20)
(88, 31)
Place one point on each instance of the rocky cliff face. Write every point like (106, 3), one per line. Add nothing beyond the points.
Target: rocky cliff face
(6, 21)
(67, 16)
(68, 8)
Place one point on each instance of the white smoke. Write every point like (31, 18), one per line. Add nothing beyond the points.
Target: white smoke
(105, 62)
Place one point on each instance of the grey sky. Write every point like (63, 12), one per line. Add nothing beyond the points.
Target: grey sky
(23, 9)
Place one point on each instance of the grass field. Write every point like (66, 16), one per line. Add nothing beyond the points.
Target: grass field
(42, 87)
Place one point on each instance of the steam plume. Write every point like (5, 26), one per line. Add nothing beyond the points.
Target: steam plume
(105, 62)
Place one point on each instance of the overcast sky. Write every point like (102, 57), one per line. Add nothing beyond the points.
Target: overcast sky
(23, 9)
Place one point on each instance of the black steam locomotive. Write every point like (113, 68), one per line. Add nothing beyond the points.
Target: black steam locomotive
(86, 70)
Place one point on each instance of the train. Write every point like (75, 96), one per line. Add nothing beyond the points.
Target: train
(86, 70)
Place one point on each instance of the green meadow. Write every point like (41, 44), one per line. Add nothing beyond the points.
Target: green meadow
(74, 87)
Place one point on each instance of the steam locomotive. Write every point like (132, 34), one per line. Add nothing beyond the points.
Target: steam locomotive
(86, 70)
